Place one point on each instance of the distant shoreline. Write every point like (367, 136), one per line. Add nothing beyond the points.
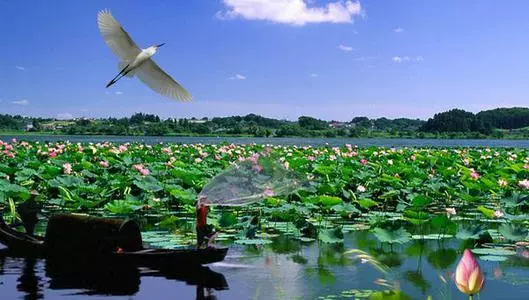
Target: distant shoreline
(444, 137)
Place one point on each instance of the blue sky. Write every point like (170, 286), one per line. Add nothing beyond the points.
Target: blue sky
(328, 59)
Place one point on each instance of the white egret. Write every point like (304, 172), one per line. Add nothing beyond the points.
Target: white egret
(136, 61)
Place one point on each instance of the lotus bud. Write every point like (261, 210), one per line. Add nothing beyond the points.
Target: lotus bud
(469, 278)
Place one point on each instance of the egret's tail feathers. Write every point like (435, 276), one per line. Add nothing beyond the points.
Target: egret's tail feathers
(111, 82)
(122, 65)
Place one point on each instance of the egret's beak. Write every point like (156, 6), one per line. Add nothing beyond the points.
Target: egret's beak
(158, 46)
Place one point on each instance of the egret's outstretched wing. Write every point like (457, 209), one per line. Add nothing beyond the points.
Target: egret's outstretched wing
(150, 74)
(116, 37)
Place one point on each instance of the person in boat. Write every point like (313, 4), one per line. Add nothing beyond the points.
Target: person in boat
(205, 232)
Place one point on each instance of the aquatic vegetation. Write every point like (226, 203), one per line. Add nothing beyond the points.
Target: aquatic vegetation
(400, 194)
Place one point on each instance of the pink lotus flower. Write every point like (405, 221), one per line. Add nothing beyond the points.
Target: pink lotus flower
(52, 154)
(524, 184)
(104, 163)
(268, 192)
(254, 158)
(469, 278)
(498, 214)
(145, 172)
(450, 211)
(257, 168)
(198, 160)
(363, 161)
(311, 158)
(67, 168)
(361, 188)
(475, 175)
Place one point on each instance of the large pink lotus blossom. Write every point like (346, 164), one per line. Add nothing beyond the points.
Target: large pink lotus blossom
(363, 161)
(104, 163)
(469, 278)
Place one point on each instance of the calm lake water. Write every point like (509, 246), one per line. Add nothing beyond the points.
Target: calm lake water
(361, 142)
(285, 269)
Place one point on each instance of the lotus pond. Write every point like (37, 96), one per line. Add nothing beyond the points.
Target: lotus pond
(407, 214)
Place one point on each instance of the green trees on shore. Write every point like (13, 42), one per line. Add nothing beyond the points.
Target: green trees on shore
(456, 123)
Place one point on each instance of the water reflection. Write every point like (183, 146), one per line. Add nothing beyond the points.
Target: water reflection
(28, 281)
(284, 269)
(105, 277)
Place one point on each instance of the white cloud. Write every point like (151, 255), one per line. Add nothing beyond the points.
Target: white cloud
(20, 68)
(65, 116)
(237, 77)
(293, 12)
(345, 48)
(20, 102)
(119, 93)
(398, 30)
(313, 74)
(364, 58)
(399, 59)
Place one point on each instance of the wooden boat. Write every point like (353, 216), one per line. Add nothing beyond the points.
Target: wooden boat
(83, 237)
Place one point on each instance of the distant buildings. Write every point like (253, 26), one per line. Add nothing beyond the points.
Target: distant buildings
(338, 124)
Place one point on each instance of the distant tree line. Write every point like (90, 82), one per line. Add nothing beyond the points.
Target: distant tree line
(489, 122)
(456, 123)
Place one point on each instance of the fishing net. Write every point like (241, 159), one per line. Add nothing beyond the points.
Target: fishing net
(250, 181)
